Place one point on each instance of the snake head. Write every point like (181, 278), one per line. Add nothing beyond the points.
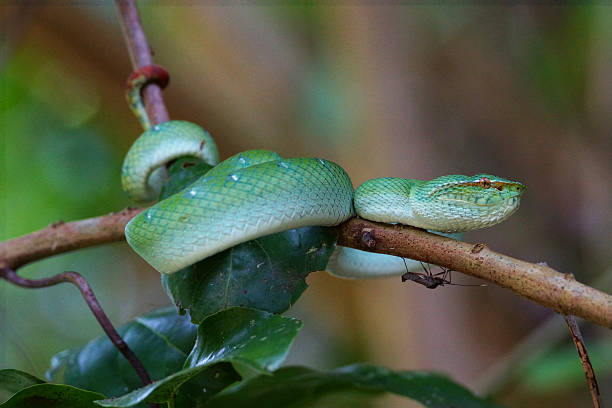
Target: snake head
(460, 203)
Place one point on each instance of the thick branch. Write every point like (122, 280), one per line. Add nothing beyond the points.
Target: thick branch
(91, 300)
(538, 283)
(62, 237)
(140, 55)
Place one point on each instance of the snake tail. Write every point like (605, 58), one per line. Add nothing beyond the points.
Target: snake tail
(143, 172)
(134, 85)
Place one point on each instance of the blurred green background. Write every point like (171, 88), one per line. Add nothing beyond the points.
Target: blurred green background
(415, 91)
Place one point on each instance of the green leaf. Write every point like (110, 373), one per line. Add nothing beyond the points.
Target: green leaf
(204, 385)
(161, 339)
(304, 387)
(52, 396)
(259, 339)
(268, 273)
(166, 388)
(12, 381)
(183, 172)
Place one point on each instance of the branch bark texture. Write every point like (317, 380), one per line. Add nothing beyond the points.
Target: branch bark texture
(62, 237)
(536, 282)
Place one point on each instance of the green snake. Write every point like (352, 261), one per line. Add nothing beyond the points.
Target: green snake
(257, 193)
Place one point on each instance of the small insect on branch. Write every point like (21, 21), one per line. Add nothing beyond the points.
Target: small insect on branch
(430, 280)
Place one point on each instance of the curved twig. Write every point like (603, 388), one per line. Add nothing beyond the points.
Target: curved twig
(589, 373)
(90, 298)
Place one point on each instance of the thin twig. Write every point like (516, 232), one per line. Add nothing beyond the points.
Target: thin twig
(77, 279)
(550, 332)
(584, 359)
(140, 55)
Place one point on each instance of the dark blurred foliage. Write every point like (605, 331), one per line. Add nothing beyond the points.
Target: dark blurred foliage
(417, 91)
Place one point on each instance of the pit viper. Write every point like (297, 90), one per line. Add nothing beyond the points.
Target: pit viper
(258, 192)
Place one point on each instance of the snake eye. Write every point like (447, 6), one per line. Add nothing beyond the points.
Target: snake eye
(486, 183)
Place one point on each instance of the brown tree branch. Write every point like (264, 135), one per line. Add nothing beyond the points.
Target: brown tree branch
(535, 282)
(538, 283)
(140, 55)
(62, 237)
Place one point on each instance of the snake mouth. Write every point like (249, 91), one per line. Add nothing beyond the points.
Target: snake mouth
(508, 201)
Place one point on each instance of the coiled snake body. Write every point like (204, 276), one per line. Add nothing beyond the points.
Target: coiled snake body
(257, 192)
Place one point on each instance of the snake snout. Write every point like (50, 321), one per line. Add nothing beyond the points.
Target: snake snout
(518, 188)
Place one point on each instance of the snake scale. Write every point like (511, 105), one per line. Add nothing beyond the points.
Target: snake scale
(257, 193)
